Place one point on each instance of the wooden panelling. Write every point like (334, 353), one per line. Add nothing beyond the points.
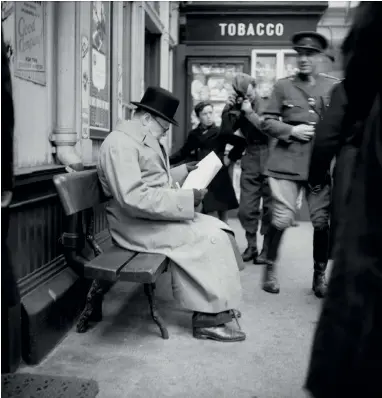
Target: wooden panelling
(36, 223)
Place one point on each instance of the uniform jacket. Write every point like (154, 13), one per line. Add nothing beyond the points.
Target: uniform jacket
(288, 107)
(147, 214)
(200, 142)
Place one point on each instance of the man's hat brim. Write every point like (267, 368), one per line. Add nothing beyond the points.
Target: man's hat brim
(155, 112)
(321, 42)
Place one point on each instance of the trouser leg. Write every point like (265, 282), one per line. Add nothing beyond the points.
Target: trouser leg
(284, 195)
(319, 208)
(250, 197)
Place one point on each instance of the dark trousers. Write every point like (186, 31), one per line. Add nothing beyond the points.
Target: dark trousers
(254, 186)
(204, 320)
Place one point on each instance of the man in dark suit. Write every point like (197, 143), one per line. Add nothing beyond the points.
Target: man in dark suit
(300, 102)
(10, 298)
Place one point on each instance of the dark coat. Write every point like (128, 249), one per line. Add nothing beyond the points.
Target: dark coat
(9, 291)
(200, 142)
(289, 101)
(335, 138)
(346, 359)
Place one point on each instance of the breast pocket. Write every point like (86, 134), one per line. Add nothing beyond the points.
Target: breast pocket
(292, 106)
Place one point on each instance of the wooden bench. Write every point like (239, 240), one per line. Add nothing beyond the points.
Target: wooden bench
(80, 193)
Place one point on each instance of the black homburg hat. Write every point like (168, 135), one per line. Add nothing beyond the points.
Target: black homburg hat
(159, 102)
(309, 41)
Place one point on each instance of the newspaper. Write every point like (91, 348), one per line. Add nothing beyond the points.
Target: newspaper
(205, 172)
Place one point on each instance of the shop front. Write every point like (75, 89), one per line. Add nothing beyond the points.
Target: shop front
(218, 40)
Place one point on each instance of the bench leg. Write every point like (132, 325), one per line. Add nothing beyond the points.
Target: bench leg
(93, 307)
(150, 292)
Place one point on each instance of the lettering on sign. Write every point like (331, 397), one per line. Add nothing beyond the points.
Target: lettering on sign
(251, 29)
(30, 51)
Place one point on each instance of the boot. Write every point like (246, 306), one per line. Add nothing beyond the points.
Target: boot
(320, 257)
(250, 253)
(319, 280)
(262, 258)
(270, 283)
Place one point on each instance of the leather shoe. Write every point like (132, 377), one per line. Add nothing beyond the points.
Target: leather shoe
(261, 259)
(219, 333)
(249, 254)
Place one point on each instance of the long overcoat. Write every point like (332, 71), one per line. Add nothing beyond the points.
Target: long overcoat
(147, 214)
(334, 137)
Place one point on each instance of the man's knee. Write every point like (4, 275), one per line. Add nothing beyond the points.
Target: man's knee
(282, 218)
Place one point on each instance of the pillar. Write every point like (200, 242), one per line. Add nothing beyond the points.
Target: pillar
(65, 136)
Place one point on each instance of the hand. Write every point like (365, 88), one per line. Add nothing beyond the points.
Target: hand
(246, 106)
(199, 194)
(227, 161)
(315, 189)
(191, 166)
(231, 101)
(303, 132)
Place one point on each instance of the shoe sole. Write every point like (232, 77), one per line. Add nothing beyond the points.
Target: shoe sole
(271, 291)
(204, 337)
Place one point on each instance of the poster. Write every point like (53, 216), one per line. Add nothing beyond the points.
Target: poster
(100, 109)
(30, 38)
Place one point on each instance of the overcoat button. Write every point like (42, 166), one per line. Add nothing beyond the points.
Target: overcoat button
(213, 241)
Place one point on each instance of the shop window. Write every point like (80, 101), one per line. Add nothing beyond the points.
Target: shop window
(270, 65)
(152, 59)
(211, 82)
(126, 67)
(100, 101)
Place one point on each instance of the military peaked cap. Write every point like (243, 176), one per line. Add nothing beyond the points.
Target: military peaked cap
(309, 41)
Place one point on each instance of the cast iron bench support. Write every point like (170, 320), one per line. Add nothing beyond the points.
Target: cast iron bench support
(79, 193)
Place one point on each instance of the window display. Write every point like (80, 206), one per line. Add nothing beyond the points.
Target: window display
(212, 82)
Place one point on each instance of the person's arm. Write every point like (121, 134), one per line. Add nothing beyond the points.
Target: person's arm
(328, 137)
(254, 119)
(122, 171)
(182, 154)
(7, 125)
(272, 125)
(230, 120)
(238, 143)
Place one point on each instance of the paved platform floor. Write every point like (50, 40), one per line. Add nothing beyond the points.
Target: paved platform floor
(128, 358)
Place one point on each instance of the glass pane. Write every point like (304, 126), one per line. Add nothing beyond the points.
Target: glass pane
(290, 65)
(212, 82)
(266, 75)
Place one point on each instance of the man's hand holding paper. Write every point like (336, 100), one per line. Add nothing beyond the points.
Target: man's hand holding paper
(205, 172)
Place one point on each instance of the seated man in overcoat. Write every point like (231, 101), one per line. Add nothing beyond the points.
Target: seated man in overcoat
(147, 213)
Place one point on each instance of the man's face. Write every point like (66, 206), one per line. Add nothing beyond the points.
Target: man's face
(307, 61)
(251, 93)
(158, 127)
(206, 116)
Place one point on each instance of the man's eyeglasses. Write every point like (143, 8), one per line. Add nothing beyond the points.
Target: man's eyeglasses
(165, 128)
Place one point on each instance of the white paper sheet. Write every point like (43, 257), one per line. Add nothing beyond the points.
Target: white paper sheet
(206, 170)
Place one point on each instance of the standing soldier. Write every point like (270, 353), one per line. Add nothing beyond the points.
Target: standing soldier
(242, 112)
(296, 105)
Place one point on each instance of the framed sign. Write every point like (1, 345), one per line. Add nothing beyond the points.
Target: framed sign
(30, 49)
(100, 70)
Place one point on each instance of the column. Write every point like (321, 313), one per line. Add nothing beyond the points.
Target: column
(137, 50)
(65, 135)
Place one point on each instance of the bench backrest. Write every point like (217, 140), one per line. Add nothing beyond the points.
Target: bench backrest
(79, 190)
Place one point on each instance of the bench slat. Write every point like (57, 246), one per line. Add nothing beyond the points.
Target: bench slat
(107, 265)
(144, 268)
